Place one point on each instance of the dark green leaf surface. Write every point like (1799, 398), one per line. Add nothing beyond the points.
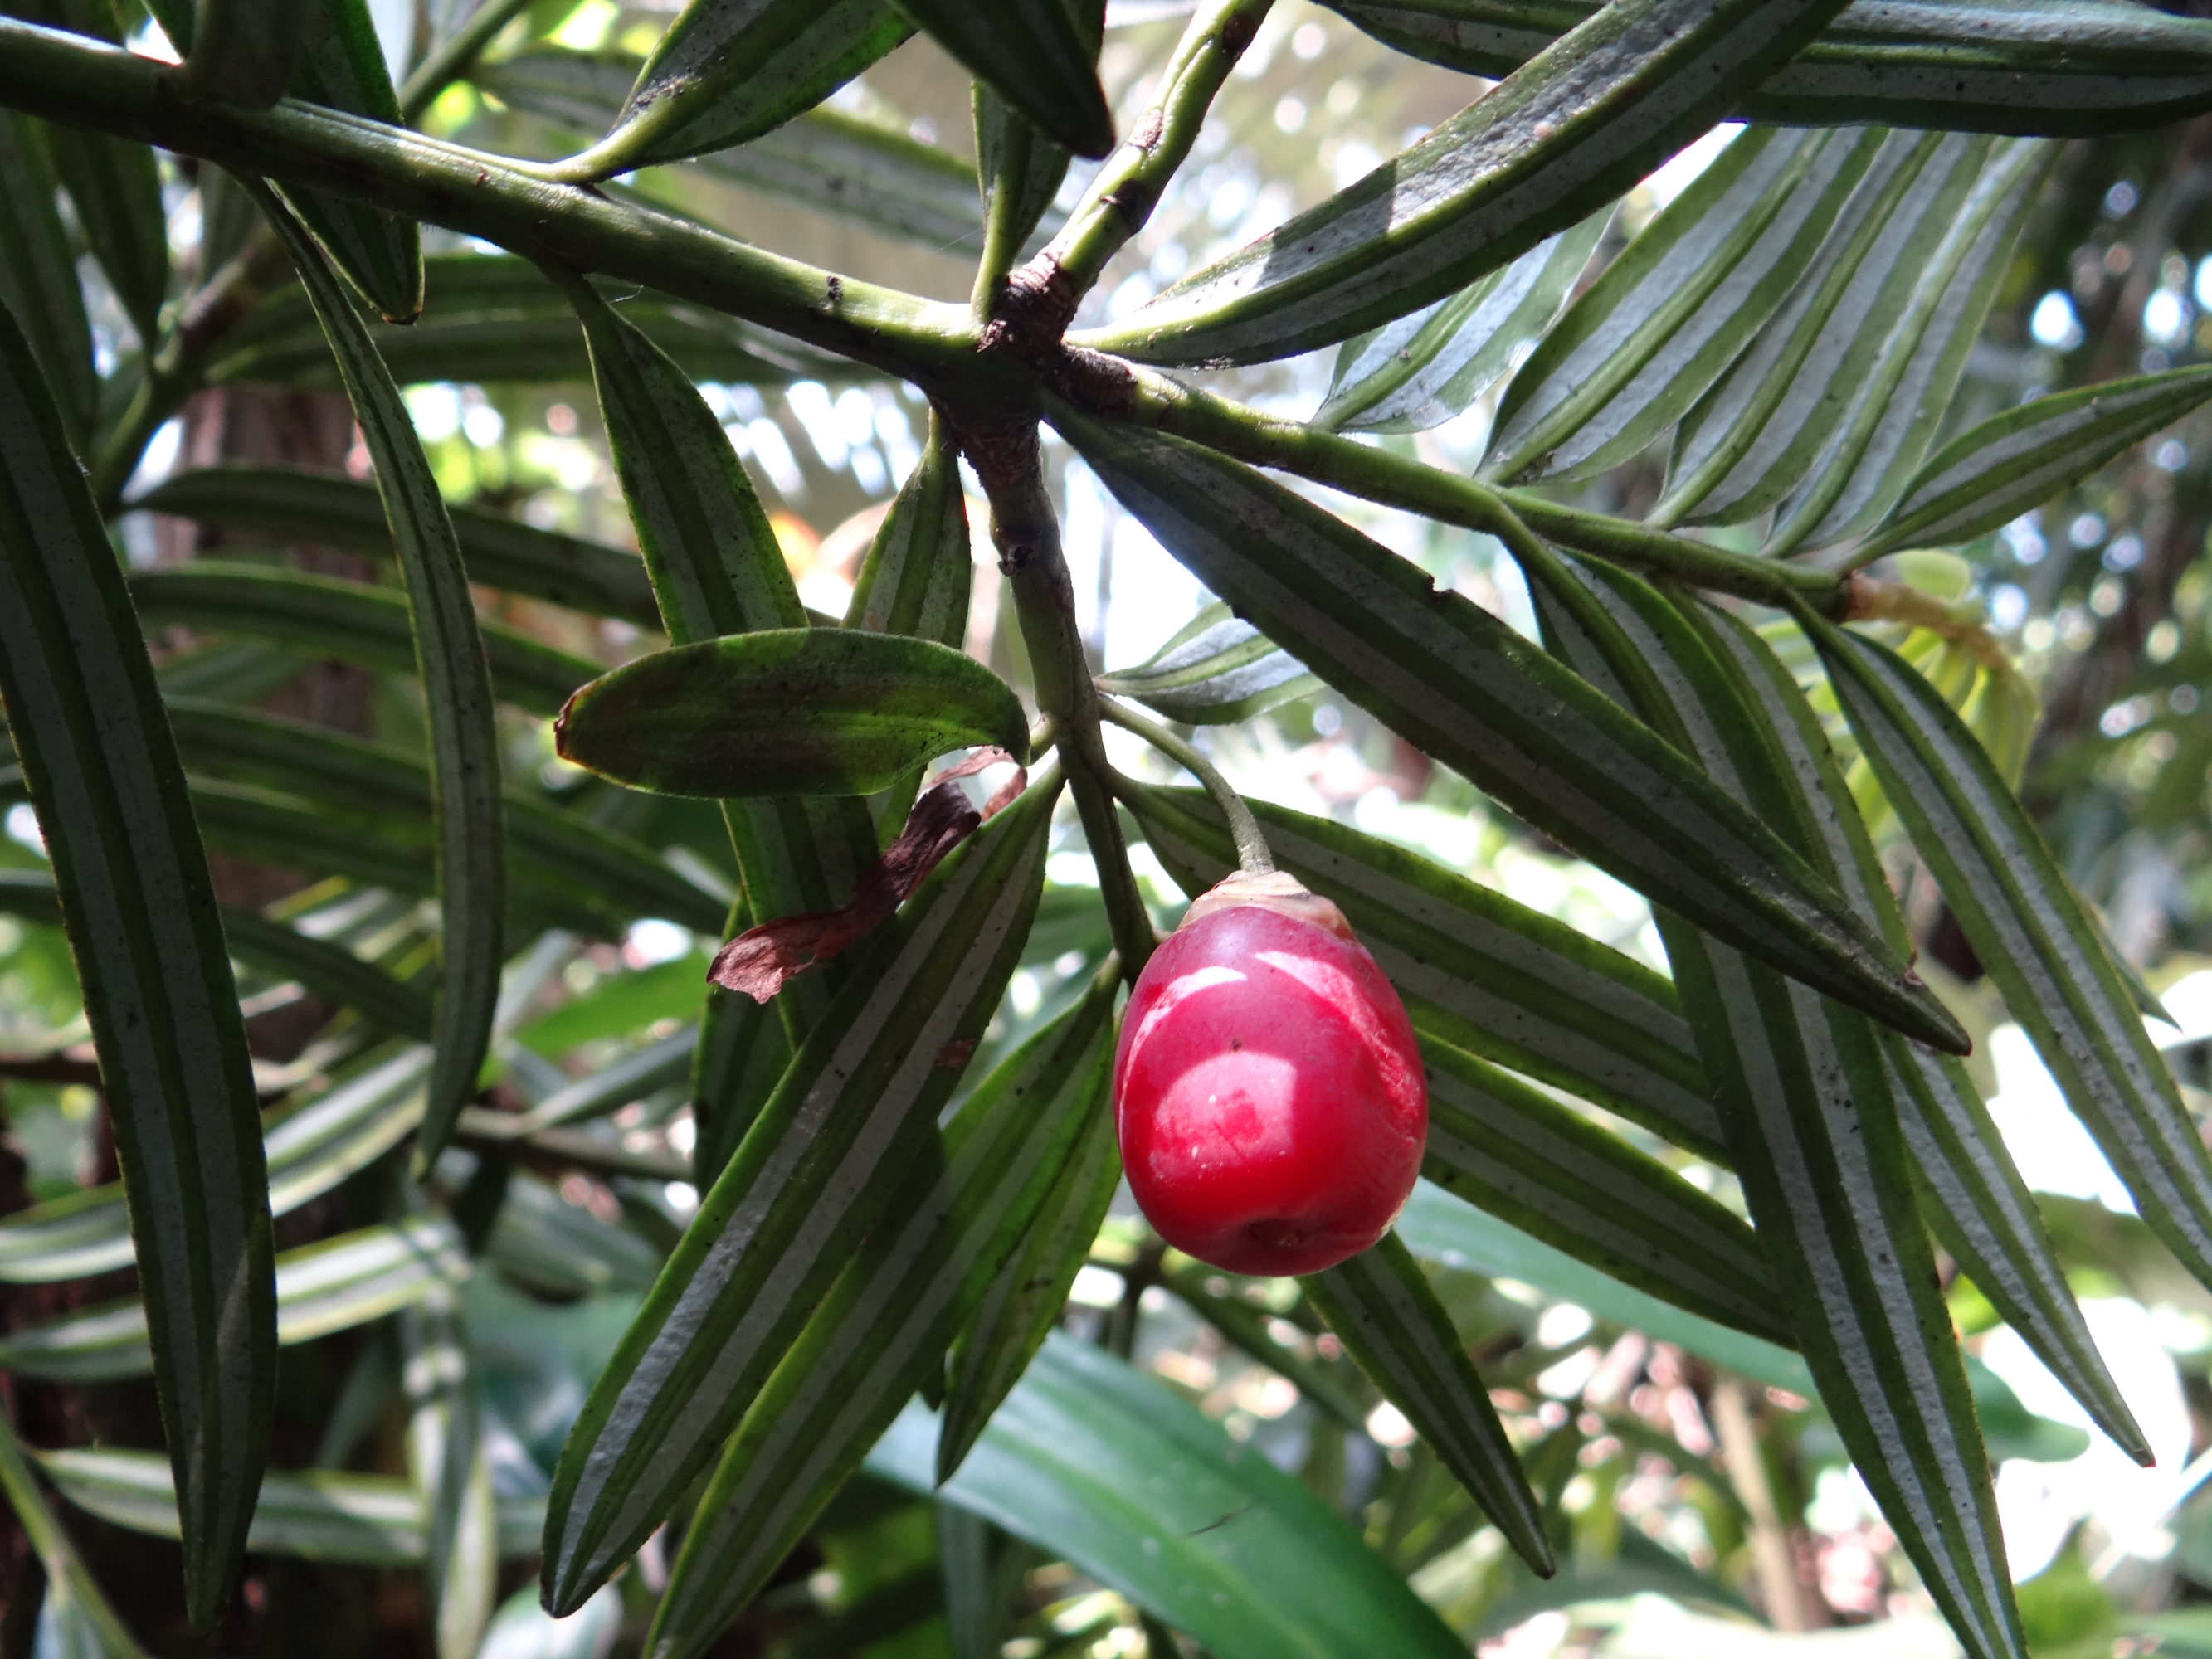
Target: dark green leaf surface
(466, 796)
(790, 711)
(1023, 1302)
(1498, 1143)
(1994, 472)
(1452, 679)
(1476, 970)
(325, 616)
(1036, 54)
(1388, 1318)
(885, 1323)
(918, 572)
(243, 51)
(1813, 1131)
(1217, 669)
(2061, 67)
(1423, 369)
(2032, 934)
(729, 70)
(1113, 1472)
(812, 1175)
(38, 275)
(1562, 136)
(321, 1288)
(139, 907)
(284, 504)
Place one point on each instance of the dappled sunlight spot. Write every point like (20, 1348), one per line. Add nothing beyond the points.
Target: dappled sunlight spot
(2041, 1503)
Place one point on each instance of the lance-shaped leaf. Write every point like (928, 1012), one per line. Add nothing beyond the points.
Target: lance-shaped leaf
(139, 907)
(1504, 1145)
(885, 1323)
(1896, 409)
(738, 1060)
(38, 275)
(498, 319)
(321, 1288)
(309, 1151)
(728, 70)
(1419, 371)
(1019, 171)
(2031, 933)
(1457, 682)
(1023, 1303)
(1113, 1472)
(636, 1075)
(80, 1615)
(291, 505)
(811, 1176)
(607, 877)
(446, 1463)
(1383, 1310)
(561, 1251)
(790, 711)
(327, 617)
(918, 572)
(1802, 1085)
(320, 1515)
(465, 798)
(1668, 316)
(716, 570)
(1217, 670)
(2059, 67)
(1974, 1199)
(1561, 138)
(1476, 970)
(1992, 473)
(1036, 54)
(243, 54)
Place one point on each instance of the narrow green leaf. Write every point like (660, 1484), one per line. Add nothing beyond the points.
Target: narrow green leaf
(1992, 473)
(885, 1323)
(1803, 1087)
(1217, 670)
(2061, 67)
(309, 1151)
(1033, 54)
(1667, 317)
(139, 909)
(729, 70)
(1019, 171)
(860, 1097)
(1426, 366)
(1476, 970)
(716, 570)
(1974, 1199)
(790, 711)
(446, 1463)
(326, 617)
(1115, 1473)
(918, 569)
(1461, 685)
(498, 319)
(1383, 1310)
(559, 859)
(243, 53)
(89, 1626)
(287, 505)
(1504, 1145)
(1023, 1303)
(38, 275)
(321, 1288)
(563, 1251)
(2032, 933)
(1250, 1327)
(740, 1056)
(636, 1075)
(465, 798)
(1560, 138)
(322, 1515)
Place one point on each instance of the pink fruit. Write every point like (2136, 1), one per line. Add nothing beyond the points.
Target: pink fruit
(1268, 1091)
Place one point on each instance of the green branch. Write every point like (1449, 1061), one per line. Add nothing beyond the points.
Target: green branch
(1127, 188)
(1376, 475)
(81, 83)
(1253, 856)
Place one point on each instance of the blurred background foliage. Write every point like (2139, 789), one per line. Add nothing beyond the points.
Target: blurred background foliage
(1704, 1503)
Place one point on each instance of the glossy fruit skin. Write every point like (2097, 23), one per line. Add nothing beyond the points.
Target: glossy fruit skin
(1268, 1091)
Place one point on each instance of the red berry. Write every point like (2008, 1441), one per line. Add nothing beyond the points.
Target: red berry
(1268, 1091)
